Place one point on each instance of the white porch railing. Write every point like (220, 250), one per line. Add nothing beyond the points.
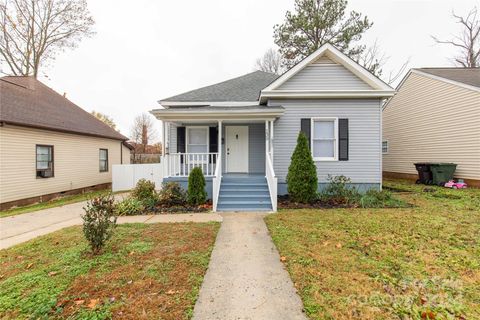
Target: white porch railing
(216, 182)
(271, 180)
(181, 164)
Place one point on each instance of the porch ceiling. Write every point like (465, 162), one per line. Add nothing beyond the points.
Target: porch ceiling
(219, 113)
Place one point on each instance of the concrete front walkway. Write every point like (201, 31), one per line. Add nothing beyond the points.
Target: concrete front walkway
(245, 278)
(23, 227)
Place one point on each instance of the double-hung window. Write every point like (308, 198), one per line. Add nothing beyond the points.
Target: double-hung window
(103, 160)
(324, 139)
(44, 162)
(197, 139)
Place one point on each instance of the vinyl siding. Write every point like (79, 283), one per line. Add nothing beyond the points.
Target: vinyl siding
(364, 164)
(432, 121)
(322, 75)
(76, 162)
(256, 144)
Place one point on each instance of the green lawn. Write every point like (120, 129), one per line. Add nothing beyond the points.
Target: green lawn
(412, 263)
(145, 272)
(50, 204)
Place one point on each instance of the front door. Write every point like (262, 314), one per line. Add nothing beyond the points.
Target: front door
(236, 148)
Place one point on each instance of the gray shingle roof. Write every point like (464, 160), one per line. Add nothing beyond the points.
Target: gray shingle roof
(470, 76)
(26, 101)
(243, 88)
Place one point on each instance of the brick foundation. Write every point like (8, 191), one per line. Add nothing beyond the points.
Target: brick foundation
(51, 196)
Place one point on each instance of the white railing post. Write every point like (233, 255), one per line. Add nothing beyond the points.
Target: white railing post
(271, 181)
(217, 179)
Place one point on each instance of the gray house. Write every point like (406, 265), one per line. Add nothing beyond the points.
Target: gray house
(242, 131)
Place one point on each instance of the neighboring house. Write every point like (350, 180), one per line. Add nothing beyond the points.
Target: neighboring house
(434, 117)
(243, 131)
(49, 146)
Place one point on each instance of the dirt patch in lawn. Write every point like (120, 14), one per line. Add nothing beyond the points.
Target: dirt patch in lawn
(146, 272)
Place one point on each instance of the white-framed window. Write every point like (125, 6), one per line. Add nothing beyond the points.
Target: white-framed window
(103, 160)
(44, 161)
(324, 133)
(197, 139)
(385, 146)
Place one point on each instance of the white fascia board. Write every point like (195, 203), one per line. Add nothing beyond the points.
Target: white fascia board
(169, 114)
(431, 76)
(208, 103)
(338, 57)
(326, 94)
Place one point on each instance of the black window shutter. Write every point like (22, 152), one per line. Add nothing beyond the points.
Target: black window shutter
(343, 139)
(180, 139)
(305, 128)
(213, 134)
(213, 143)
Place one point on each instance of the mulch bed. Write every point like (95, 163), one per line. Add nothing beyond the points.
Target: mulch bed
(182, 209)
(284, 202)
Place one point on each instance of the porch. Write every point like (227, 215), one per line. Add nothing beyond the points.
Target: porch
(234, 153)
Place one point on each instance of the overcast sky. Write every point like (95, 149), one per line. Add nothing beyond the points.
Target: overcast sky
(145, 50)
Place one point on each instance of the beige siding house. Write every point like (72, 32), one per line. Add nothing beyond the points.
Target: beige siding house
(49, 146)
(434, 117)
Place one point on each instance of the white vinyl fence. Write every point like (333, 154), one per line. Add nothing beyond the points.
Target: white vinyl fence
(126, 176)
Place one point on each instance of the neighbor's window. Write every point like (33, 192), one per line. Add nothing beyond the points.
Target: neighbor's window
(324, 138)
(385, 146)
(44, 161)
(103, 160)
(197, 139)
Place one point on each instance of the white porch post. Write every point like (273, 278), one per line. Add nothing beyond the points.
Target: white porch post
(219, 158)
(271, 140)
(164, 124)
(267, 135)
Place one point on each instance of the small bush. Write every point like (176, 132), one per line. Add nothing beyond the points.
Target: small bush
(144, 190)
(130, 207)
(302, 181)
(338, 192)
(196, 194)
(380, 199)
(172, 194)
(99, 221)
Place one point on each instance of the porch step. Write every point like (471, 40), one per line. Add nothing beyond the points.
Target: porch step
(244, 194)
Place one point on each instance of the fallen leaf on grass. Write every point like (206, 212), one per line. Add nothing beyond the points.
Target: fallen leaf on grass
(428, 315)
(283, 259)
(338, 245)
(29, 265)
(52, 273)
(93, 303)
(79, 302)
(326, 243)
(171, 291)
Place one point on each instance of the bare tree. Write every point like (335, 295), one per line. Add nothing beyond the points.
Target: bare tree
(468, 42)
(270, 62)
(33, 32)
(374, 60)
(143, 130)
(105, 119)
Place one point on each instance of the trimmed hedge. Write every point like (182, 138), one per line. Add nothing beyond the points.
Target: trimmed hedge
(302, 181)
(196, 194)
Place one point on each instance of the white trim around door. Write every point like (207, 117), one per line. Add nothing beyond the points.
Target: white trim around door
(236, 149)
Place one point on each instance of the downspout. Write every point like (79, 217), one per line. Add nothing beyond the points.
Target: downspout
(121, 152)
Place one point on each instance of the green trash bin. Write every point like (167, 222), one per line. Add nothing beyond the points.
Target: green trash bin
(442, 172)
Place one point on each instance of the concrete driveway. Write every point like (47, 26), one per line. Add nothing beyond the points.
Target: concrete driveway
(23, 227)
(245, 278)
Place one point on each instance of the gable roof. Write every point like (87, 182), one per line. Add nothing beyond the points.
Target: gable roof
(469, 76)
(378, 87)
(28, 102)
(243, 88)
